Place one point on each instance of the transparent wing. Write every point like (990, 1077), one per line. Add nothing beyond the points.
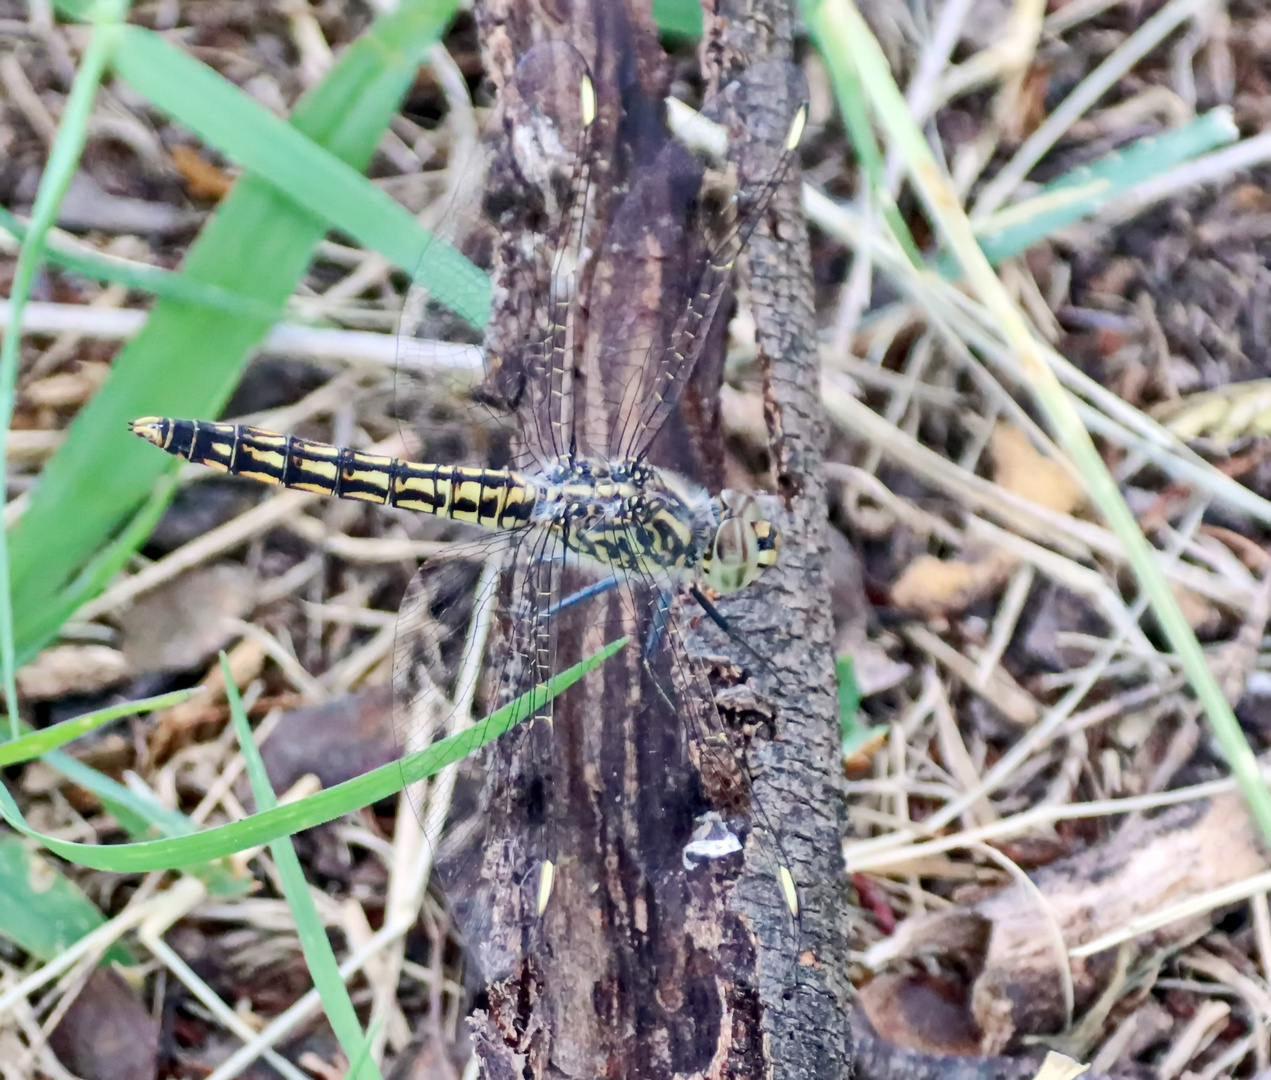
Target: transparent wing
(641, 280)
(532, 166)
(474, 633)
(554, 86)
(733, 197)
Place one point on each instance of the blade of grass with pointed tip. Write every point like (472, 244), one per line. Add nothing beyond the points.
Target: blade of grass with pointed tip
(35, 743)
(269, 825)
(1084, 191)
(323, 967)
(188, 358)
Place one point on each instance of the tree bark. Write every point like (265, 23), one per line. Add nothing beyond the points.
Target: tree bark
(797, 775)
(640, 967)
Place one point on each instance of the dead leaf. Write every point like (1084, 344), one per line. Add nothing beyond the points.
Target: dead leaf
(336, 741)
(1115, 277)
(1058, 1067)
(1149, 864)
(203, 179)
(918, 1011)
(107, 1033)
(71, 669)
(956, 935)
(32, 446)
(66, 389)
(88, 206)
(931, 586)
(1019, 468)
(173, 726)
(1222, 415)
(1202, 616)
(183, 622)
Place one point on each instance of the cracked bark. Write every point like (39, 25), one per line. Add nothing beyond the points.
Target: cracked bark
(639, 969)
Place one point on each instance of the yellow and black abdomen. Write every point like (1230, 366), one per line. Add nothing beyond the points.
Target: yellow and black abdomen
(495, 498)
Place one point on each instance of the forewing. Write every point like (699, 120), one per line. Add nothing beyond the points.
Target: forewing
(731, 202)
(645, 272)
(530, 170)
(541, 187)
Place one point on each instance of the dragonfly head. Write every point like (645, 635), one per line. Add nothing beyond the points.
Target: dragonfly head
(745, 544)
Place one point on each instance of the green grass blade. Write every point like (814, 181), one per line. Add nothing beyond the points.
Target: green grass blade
(41, 910)
(852, 104)
(63, 160)
(75, 9)
(1085, 191)
(141, 815)
(854, 733)
(187, 359)
(319, 958)
(134, 275)
(37, 743)
(269, 825)
(681, 18)
(363, 1054)
(271, 149)
(139, 812)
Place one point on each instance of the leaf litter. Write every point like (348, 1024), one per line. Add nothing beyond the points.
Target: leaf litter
(1045, 847)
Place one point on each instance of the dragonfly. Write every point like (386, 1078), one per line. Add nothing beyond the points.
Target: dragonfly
(584, 511)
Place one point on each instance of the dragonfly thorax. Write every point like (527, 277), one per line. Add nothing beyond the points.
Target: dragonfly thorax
(639, 518)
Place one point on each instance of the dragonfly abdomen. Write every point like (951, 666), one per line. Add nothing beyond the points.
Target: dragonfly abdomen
(495, 498)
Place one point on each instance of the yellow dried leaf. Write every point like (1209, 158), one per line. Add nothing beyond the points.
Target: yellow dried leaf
(204, 179)
(66, 389)
(1222, 415)
(71, 669)
(1058, 1067)
(1020, 469)
(931, 586)
(1201, 615)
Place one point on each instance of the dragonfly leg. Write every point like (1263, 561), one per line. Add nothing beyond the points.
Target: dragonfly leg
(599, 587)
(660, 624)
(712, 612)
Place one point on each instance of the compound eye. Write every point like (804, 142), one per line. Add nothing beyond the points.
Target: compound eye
(735, 556)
